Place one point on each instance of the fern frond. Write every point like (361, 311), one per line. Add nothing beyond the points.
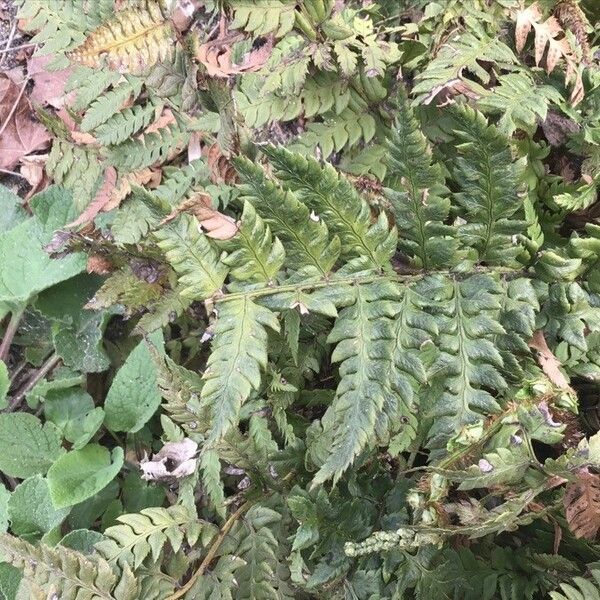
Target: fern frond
(418, 194)
(457, 57)
(364, 337)
(468, 364)
(261, 17)
(76, 169)
(177, 181)
(145, 534)
(333, 198)
(487, 178)
(258, 258)
(307, 239)
(131, 42)
(199, 270)
(259, 577)
(163, 311)
(149, 149)
(239, 352)
(520, 102)
(335, 133)
(125, 123)
(88, 85)
(109, 103)
(62, 571)
(580, 588)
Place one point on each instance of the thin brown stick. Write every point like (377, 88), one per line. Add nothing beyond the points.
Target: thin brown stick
(9, 334)
(11, 36)
(14, 107)
(213, 550)
(7, 172)
(50, 364)
(20, 47)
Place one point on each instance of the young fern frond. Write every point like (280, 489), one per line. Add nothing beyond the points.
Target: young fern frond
(239, 352)
(333, 198)
(145, 534)
(307, 240)
(418, 194)
(258, 258)
(199, 270)
(488, 182)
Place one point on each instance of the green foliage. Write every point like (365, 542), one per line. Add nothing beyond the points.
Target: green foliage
(383, 383)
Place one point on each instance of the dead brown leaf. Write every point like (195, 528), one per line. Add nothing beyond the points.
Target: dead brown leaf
(548, 362)
(550, 39)
(99, 265)
(48, 86)
(582, 505)
(221, 169)
(100, 200)
(173, 461)
(165, 118)
(20, 133)
(215, 224)
(33, 169)
(216, 56)
(148, 177)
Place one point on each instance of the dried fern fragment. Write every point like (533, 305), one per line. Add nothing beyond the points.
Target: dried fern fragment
(131, 42)
(582, 505)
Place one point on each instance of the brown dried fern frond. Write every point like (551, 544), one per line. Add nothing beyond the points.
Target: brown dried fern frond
(131, 42)
(551, 40)
(582, 505)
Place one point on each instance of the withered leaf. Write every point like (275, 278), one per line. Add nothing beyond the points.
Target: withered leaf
(548, 362)
(582, 505)
(20, 133)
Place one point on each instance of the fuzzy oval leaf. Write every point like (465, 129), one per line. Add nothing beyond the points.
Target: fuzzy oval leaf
(133, 396)
(27, 448)
(80, 474)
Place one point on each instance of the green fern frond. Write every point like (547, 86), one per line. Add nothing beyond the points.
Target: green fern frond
(461, 55)
(162, 311)
(77, 169)
(239, 352)
(145, 534)
(261, 17)
(418, 194)
(62, 571)
(307, 239)
(149, 149)
(489, 193)
(178, 181)
(258, 258)
(580, 588)
(469, 363)
(125, 123)
(333, 198)
(199, 270)
(520, 102)
(89, 84)
(335, 133)
(110, 103)
(365, 342)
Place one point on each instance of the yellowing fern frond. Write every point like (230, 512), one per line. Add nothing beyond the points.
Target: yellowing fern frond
(131, 42)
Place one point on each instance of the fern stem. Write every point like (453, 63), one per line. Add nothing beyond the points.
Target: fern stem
(213, 550)
(9, 334)
(269, 291)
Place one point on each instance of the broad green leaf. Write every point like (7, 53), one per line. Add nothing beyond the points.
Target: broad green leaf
(27, 267)
(30, 509)
(4, 384)
(11, 210)
(26, 447)
(10, 578)
(73, 412)
(82, 540)
(133, 396)
(4, 498)
(84, 515)
(79, 474)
